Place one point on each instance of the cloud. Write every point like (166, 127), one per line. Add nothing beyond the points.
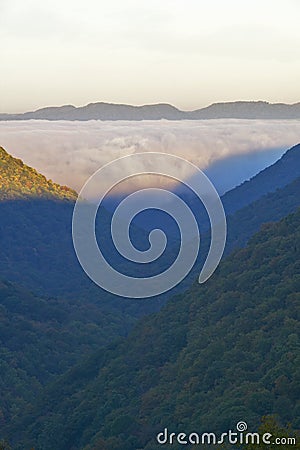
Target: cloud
(70, 152)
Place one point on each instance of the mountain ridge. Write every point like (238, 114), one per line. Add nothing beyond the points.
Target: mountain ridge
(19, 181)
(218, 353)
(50, 219)
(119, 111)
(43, 257)
(277, 175)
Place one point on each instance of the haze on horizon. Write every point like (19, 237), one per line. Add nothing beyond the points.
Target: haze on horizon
(187, 53)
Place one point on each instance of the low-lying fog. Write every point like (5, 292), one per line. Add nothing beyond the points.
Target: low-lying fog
(229, 151)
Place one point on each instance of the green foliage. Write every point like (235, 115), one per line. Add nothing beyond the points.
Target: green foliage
(41, 338)
(269, 208)
(270, 425)
(18, 181)
(4, 445)
(278, 175)
(223, 352)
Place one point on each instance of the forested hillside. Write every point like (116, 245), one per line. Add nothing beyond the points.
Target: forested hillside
(268, 208)
(35, 230)
(278, 175)
(42, 337)
(17, 180)
(224, 351)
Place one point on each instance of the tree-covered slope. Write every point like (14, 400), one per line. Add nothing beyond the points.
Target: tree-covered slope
(17, 180)
(35, 228)
(270, 207)
(36, 250)
(222, 352)
(248, 220)
(36, 247)
(278, 175)
(42, 337)
(35, 231)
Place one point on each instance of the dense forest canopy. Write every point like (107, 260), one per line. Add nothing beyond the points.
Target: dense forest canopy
(17, 180)
(213, 355)
(222, 352)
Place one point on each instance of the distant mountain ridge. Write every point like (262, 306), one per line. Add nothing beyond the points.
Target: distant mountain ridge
(112, 111)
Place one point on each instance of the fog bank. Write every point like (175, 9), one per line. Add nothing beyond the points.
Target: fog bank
(69, 152)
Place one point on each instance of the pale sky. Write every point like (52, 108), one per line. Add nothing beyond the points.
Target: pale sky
(189, 53)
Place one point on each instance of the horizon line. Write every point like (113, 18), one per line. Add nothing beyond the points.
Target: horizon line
(151, 104)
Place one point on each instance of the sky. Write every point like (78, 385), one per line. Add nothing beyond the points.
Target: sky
(189, 53)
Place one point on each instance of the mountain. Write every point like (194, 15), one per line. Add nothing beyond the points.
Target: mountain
(101, 111)
(220, 353)
(270, 207)
(36, 232)
(248, 110)
(42, 336)
(279, 174)
(112, 111)
(247, 221)
(50, 312)
(19, 181)
(35, 227)
(36, 245)
(284, 171)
